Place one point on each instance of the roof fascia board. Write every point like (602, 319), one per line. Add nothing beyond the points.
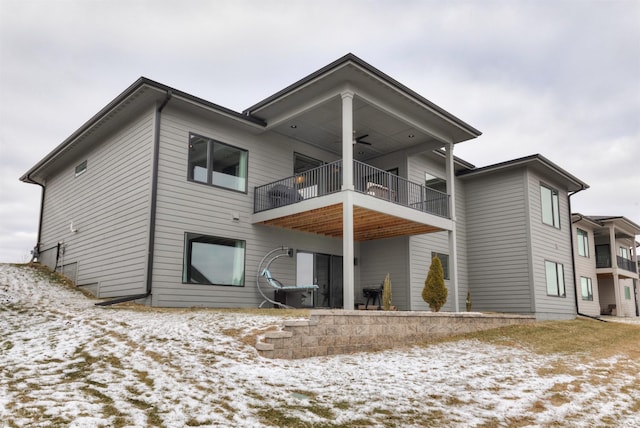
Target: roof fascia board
(586, 219)
(375, 73)
(617, 219)
(105, 111)
(533, 159)
(120, 100)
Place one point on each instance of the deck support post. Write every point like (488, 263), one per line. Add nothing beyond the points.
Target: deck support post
(348, 252)
(453, 244)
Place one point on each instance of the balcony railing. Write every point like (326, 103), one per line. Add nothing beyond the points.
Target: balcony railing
(384, 185)
(626, 264)
(603, 260)
(368, 180)
(313, 183)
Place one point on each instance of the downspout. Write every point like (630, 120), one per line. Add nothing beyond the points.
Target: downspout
(152, 214)
(573, 259)
(36, 249)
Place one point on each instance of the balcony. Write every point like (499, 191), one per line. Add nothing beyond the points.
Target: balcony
(603, 260)
(368, 180)
(626, 264)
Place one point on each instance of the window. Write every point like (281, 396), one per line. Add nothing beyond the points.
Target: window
(555, 279)
(302, 163)
(436, 183)
(444, 258)
(627, 292)
(587, 288)
(218, 164)
(213, 260)
(550, 206)
(81, 168)
(624, 253)
(583, 243)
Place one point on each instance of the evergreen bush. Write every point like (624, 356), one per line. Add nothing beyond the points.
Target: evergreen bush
(434, 291)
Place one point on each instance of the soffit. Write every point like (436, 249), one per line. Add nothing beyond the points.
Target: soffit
(368, 224)
(385, 112)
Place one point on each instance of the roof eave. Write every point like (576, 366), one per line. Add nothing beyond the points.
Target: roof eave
(126, 94)
(353, 59)
(537, 158)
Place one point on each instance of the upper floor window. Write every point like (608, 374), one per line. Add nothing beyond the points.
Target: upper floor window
(436, 183)
(583, 243)
(555, 279)
(216, 163)
(444, 259)
(550, 203)
(624, 253)
(81, 168)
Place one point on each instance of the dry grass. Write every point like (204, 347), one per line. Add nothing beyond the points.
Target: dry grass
(580, 337)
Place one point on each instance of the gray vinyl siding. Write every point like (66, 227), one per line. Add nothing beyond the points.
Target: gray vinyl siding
(421, 246)
(377, 258)
(185, 206)
(109, 206)
(552, 244)
(498, 242)
(586, 267)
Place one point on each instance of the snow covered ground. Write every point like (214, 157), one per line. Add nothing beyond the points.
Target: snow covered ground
(66, 362)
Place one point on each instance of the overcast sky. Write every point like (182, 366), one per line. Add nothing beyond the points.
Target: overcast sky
(559, 78)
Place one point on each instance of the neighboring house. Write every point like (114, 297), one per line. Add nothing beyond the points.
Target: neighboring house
(172, 200)
(606, 263)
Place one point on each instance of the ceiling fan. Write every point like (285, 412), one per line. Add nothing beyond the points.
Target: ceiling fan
(360, 139)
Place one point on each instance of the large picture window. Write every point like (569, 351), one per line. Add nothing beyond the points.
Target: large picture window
(587, 288)
(216, 163)
(550, 203)
(583, 243)
(555, 279)
(213, 260)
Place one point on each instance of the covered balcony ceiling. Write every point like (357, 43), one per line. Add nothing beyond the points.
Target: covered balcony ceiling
(376, 132)
(368, 224)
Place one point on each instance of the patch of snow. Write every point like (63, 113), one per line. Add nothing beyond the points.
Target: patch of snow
(67, 362)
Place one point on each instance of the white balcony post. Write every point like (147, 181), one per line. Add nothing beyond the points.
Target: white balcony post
(453, 244)
(614, 268)
(347, 140)
(348, 252)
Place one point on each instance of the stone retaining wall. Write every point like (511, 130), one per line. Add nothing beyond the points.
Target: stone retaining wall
(330, 332)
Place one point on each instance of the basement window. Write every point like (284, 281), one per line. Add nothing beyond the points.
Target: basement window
(81, 168)
(444, 259)
(213, 260)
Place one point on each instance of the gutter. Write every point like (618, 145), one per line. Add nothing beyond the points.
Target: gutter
(573, 258)
(153, 207)
(36, 249)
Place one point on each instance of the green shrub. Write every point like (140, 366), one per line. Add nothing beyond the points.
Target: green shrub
(468, 300)
(434, 291)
